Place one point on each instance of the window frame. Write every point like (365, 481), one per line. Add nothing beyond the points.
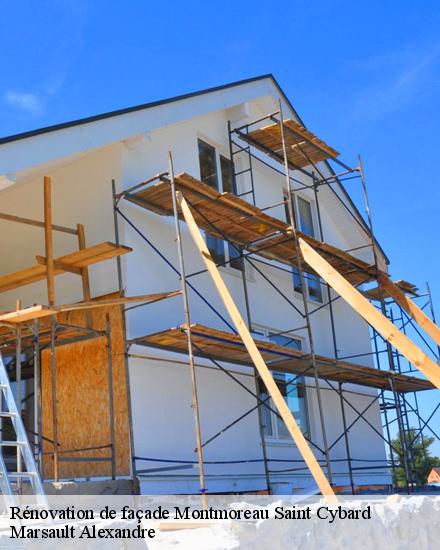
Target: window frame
(228, 259)
(274, 437)
(307, 275)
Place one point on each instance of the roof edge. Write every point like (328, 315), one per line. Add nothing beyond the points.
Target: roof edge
(133, 109)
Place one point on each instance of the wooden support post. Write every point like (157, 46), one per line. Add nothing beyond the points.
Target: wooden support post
(50, 269)
(410, 307)
(111, 412)
(376, 319)
(84, 270)
(266, 376)
(84, 273)
(50, 278)
(192, 366)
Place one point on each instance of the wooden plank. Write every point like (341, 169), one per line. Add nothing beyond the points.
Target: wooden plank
(35, 223)
(226, 215)
(228, 347)
(27, 314)
(410, 307)
(404, 286)
(360, 304)
(255, 354)
(38, 311)
(80, 258)
(146, 298)
(302, 145)
(59, 266)
(84, 270)
(48, 241)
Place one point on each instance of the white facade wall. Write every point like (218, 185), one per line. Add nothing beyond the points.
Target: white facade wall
(160, 384)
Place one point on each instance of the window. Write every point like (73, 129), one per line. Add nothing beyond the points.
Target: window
(293, 391)
(227, 175)
(304, 216)
(208, 164)
(216, 171)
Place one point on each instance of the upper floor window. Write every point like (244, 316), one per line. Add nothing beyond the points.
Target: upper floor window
(216, 170)
(293, 391)
(304, 215)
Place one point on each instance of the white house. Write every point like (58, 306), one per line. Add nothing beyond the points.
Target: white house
(128, 147)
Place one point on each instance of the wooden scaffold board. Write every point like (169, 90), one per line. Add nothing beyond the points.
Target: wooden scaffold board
(260, 365)
(225, 215)
(303, 147)
(376, 319)
(229, 348)
(72, 261)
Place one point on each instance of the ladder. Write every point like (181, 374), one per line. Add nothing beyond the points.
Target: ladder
(11, 482)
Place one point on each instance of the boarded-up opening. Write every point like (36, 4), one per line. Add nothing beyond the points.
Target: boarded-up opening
(83, 398)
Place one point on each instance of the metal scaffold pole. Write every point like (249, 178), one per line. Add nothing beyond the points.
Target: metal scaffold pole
(195, 399)
(431, 307)
(293, 224)
(389, 349)
(335, 347)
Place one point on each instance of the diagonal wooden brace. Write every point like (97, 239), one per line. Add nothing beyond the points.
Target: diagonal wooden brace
(376, 319)
(410, 307)
(266, 376)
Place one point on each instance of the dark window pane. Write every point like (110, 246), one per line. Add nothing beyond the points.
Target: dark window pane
(266, 415)
(286, 207)
(208, 164)
(235, 260)
(227, 175)
(314, 284)
(217, 248)
(305, 217)
(208, 174)
(286, 340)
(294, 394)
(296, 280)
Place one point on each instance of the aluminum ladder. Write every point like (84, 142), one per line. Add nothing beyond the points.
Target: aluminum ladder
(11, 481)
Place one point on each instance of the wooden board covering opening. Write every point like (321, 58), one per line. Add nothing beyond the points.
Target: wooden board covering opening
(83, 399)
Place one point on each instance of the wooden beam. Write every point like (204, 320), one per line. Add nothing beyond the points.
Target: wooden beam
(35, 312)
(59, 266)
(50, 269)
(360, 304)
(84, 270)
(79, 258)
(256, 356)
(146, 298)
(36, 223)
(410, 307)
(26, 314)
(85, 274)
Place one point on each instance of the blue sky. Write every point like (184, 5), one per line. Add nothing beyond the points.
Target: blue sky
(364, 76)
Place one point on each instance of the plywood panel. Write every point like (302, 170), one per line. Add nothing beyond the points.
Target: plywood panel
(83, 399)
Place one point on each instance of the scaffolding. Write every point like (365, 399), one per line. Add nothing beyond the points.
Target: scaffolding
(262, 242)
(287, 148)
(28, 332)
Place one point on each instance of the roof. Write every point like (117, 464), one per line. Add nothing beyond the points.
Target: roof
(145, 106)
(152, 104)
